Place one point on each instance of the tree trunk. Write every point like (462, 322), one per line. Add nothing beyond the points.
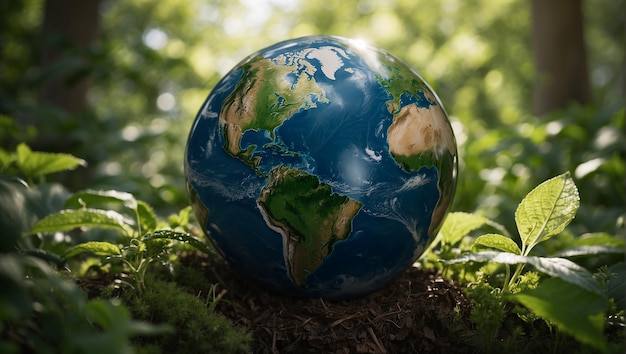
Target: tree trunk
(559, 54)
(69, 27)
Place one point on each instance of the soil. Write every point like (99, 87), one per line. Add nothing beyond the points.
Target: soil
(419, 312)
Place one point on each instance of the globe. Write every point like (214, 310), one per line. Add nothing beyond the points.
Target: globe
(321, 167)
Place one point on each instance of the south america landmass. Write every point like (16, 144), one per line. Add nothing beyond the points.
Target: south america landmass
(309, 216)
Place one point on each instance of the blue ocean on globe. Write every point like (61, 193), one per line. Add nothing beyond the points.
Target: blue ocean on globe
(321, 166)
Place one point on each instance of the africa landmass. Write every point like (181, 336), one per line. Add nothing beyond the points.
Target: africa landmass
(309, 216)
(417, 133)
(420, 135)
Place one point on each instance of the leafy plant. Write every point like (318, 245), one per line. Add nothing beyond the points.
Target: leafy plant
(22, 202)
(544, 213)
(35, 165)
(146, 238)
(42, 312)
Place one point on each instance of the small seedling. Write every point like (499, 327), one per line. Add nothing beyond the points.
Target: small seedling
(147, 239)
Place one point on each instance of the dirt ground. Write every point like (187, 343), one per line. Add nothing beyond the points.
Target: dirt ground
(417, 313)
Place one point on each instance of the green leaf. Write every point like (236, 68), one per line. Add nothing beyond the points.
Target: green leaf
(593, 250)
(458, 225)
(489, 256)
(15, 301)
(44, 255)
(499, 242)
(15, 218)
(178, 236)
(35, 164)
(572, 309)
(71, 219)
(113, 316)
(147, 217)
(96, 247)
(599, 238)
(546, 210)
(91, 198)
(568, 271)
(6, 158)
(181, 219)
(553, 266)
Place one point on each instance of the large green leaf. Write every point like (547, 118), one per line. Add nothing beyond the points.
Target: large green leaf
(96, 247)
(92, 198)
(458, 225)
(499, 242)
(35, 164)
(553, 266)
(22, 205)
(546, 210)
(572, 309)
(15, 302)
(71, 219)
(15, 217)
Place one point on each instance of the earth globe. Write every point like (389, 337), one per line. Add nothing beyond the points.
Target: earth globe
(321, 167)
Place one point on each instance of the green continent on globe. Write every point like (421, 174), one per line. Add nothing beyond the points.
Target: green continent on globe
(271, 91)
(309, 216)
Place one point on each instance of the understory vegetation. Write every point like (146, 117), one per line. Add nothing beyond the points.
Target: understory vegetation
(99, 269)
(97, 234)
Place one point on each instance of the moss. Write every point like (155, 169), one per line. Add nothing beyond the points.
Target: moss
(196, 328)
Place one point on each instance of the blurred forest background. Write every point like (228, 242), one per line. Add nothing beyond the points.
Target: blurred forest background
(533, 88)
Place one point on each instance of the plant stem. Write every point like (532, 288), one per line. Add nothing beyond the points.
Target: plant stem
(138, 222)
(507, 277)
(518, 271)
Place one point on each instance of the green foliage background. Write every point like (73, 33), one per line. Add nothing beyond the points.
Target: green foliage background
(156, 61)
